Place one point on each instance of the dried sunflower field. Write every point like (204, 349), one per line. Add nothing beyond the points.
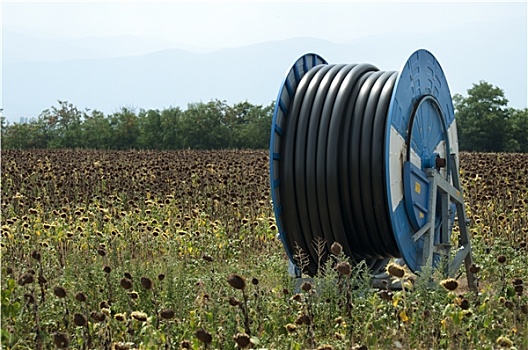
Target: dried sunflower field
(178, 250)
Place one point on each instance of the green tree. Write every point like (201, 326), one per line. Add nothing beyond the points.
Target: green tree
(125, 129)
(170, 122)
(249, 125)
(482, 119)
(96, 131)
(204, 126)
(150, 129)
(519, 125)
(159, 130)
(15, 136)
(62, 125)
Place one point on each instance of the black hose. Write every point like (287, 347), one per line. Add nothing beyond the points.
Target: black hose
(332, 168)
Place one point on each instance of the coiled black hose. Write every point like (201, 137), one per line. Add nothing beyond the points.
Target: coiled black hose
(333, 187)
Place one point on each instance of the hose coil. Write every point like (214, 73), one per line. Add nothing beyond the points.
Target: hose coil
(330, 162)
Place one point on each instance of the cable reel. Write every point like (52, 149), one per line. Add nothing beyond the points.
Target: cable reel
(369, 159)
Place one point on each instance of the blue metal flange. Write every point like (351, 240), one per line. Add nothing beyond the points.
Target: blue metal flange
(282, 107)
(420, 128)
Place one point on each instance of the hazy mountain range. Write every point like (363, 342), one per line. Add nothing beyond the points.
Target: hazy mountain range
(141, 72)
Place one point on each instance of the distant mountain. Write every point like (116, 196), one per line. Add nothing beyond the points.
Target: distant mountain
(102, 75)
(22, 47)
(17, 47)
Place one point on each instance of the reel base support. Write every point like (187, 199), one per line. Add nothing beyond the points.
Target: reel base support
(448, 193)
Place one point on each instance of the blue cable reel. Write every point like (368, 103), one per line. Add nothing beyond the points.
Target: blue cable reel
(368, 159)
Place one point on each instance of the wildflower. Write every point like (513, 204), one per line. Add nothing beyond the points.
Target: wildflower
(26, 278)
(501, 259)
(133, 295)
(30, 298)
(204, 336)
(120, 317)
(98, 316)
(167, 314)
(107, 269)
(79, 319)
(519, 289)
(122, 346)
(474, 268)
(385, 295)
(207, 258)
(504, 342)
(236, 281)
(303, 319)
(138, 315)
(306, 286)
(450, 284)
(106, 311)
(146, 283)
(233, 301)
(61, 340)
(161, 277)
(336, 248)
(297, 297)
(185, 344)
(291, 328)
(464, 304)
(339, 336)
(254, 281)
(325, 347)
(242, 340)
(344, 268)
(35, 255)
(80, 297)
(395, 270)
(59, 292)
(524, 309)
(125, 283)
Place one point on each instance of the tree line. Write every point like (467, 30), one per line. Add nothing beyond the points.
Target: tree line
(484, 121)
(212, 125)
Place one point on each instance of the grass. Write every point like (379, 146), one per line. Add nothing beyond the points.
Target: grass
(178, 250)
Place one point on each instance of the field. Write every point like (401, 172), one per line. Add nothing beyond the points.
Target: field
(178, 250)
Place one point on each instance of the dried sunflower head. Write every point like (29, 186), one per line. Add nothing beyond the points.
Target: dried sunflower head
(236, 281)
(450, 284)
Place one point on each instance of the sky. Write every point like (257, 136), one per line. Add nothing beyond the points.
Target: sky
(207, 26)
(231, 24)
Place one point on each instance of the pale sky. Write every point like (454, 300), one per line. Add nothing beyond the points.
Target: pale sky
(230, 24)
(207, 26)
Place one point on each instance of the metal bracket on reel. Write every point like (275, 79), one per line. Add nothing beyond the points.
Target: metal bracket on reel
(437, 240)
